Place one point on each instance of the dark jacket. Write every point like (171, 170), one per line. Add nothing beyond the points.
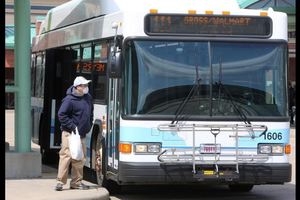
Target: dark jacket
(76, 111)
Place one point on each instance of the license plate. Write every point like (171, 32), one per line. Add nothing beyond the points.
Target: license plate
(210, 148)
(208, 172)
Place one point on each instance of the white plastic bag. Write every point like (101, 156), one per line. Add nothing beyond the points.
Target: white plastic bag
(75, 145)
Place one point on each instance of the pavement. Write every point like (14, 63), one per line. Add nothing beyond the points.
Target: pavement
(42, 188)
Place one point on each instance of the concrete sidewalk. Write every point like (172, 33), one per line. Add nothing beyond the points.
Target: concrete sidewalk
(43, 189)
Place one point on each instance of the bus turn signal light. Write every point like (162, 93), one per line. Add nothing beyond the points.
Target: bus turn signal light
(192, 12)
(263, 14)
(287, 149)
(226, 12)
(153, 11)
(125, 148)
(209, 12)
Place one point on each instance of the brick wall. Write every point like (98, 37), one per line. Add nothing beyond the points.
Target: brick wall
(9, 58)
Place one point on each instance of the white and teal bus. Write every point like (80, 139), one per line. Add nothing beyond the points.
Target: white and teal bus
(185, 91)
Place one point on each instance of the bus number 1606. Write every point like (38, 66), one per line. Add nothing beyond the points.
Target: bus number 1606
(272, 136)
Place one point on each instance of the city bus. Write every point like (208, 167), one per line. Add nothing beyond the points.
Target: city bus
(185, 91)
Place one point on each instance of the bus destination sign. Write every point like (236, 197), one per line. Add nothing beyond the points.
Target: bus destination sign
(208, 25)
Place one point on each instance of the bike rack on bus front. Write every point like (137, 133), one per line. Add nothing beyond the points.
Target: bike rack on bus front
(193, 155)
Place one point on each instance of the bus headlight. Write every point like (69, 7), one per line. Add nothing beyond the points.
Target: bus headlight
(141, 148)
(147, 148)
(277, 149)
(270, 149)
(154, 148)
(264, 148)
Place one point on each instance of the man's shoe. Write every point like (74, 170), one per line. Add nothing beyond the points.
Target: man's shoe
(59, 187)
(81, 186)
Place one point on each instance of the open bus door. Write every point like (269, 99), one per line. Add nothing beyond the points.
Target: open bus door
(59, 76)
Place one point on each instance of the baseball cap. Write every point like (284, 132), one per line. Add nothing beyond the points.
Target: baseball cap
(80, 80)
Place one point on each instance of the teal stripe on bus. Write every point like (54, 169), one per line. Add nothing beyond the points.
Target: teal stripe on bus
(139, 134)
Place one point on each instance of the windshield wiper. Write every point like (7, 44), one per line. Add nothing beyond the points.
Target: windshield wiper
(187, 98)
(239, 111)
(228, 94)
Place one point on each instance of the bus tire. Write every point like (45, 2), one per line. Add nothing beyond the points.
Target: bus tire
(112, 187)
(100, 167)
(240, 187)
(100, 160)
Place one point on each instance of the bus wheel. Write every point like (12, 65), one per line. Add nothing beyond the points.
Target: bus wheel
(240, 187)
(100, 169)
(100, 160)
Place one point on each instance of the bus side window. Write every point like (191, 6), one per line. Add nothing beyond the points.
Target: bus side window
(99, 66)
(33, 78)
(76, 61)
(42, 82)
(39, 76)
(100, 88)
(86, 62)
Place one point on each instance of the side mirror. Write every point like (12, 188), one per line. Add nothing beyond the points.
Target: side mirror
(114, 65)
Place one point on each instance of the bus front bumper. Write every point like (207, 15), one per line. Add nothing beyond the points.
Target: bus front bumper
(155, 173)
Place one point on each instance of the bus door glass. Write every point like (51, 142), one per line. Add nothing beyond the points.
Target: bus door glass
(37, 94)
(113, 122)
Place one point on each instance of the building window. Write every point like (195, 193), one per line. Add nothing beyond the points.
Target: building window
(292, 34)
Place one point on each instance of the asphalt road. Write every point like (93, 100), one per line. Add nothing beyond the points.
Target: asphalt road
(262, 192)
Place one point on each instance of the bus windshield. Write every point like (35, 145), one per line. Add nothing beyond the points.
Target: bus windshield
(250, 76)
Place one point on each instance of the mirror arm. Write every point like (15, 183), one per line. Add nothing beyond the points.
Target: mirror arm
(115, 26)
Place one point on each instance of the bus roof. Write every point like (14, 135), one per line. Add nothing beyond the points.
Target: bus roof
(80, 10)
(80, 21)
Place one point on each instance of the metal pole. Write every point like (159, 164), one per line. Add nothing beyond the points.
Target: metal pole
(22, 76)
(194, 138)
